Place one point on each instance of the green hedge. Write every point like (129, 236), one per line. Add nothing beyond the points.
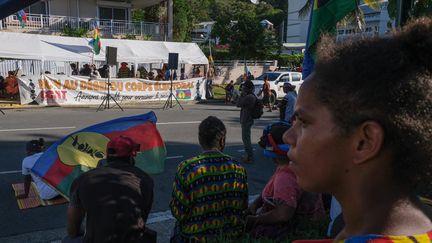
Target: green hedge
(285, 60)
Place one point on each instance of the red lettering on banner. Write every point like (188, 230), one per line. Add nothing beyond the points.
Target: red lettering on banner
(58, 96)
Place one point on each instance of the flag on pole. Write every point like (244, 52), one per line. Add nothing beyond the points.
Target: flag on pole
(22, 17)
(324, 17)
(95, 43)
(81, 151)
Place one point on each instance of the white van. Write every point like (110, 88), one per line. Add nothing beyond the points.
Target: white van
(276, 80)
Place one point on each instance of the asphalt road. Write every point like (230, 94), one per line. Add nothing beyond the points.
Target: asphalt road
(179, 129)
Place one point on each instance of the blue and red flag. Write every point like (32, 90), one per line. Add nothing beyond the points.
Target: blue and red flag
(184, 94)
(81, 151)
(22, 17)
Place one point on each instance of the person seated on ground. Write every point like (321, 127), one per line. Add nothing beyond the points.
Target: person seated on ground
(74, 69)
(229, 91)
(123, 71)
(143, 73)
(2, 86)
(210, 190)
(283, 207)
(86, 70)
(286, 106)
(34, 152)
(11, 86)
(183, 75)
(166, 72)
(160, 75)
(94, 73)
(363, 133)
(151, 76)
(115, 199)
(104, 71)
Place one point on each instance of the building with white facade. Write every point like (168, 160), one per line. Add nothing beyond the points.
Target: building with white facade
(113, 17)
(377, 22)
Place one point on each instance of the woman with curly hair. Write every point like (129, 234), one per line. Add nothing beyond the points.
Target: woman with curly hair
(363, 133)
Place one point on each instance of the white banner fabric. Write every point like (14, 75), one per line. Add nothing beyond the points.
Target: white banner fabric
(75, 90)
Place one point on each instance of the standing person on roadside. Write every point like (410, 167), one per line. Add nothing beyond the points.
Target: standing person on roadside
(286, 106)
(363, 133)
(267, 94)
(210, 190)
(247, 102)
(115, 199)
(209, 84)
(229, 92)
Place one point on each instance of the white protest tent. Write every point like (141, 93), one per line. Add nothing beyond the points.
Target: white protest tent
(59, 48)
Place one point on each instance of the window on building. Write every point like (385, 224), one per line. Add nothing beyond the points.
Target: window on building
(341, 32)
(38, 8)
(113, 13)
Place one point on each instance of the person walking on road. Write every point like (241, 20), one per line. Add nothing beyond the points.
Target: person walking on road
(247, 102)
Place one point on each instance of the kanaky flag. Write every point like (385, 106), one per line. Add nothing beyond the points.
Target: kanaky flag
(324, 17)
(184, 94)
(95, 43)
(22, 17)
(81, 151)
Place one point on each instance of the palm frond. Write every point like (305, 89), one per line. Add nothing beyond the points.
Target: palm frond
(305, 10)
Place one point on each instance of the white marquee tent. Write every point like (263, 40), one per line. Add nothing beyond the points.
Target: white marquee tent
(74, 49)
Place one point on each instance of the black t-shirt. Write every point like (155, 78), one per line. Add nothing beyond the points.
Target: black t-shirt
(117, 199)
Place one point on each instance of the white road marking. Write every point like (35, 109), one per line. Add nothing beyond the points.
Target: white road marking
(174, 123)
(175, 157)
(35, 129)
(242, 150)
(10, 172)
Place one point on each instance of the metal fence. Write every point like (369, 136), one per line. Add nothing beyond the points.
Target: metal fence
(57, 24)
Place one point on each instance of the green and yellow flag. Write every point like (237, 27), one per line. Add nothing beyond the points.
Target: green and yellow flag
(324, 17)
(95, 42)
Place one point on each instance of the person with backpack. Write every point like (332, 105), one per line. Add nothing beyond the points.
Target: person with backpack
(247, 102)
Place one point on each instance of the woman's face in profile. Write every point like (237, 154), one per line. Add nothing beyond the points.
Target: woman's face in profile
(318, 151)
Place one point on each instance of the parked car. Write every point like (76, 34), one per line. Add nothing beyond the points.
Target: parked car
(276, 80)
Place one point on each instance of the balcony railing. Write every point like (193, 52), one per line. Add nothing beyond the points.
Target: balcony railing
(56, 24)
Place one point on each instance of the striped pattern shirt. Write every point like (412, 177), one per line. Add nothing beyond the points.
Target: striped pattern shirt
(209, 196)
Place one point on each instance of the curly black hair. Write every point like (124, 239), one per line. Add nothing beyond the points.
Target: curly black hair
(387, 80)
(211, 130)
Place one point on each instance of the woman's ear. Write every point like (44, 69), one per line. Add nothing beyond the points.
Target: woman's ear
(368, 141)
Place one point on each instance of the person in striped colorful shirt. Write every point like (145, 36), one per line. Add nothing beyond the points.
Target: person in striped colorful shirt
(363, 133)
(210, 191)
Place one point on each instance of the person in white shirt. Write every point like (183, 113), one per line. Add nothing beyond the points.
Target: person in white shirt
(34, 151)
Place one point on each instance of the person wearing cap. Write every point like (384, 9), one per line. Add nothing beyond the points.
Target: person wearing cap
(247, 102)
(282, 207)
(286, 106)
(34, 152)
(115, 199)
(210, 191)
(123, 71)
